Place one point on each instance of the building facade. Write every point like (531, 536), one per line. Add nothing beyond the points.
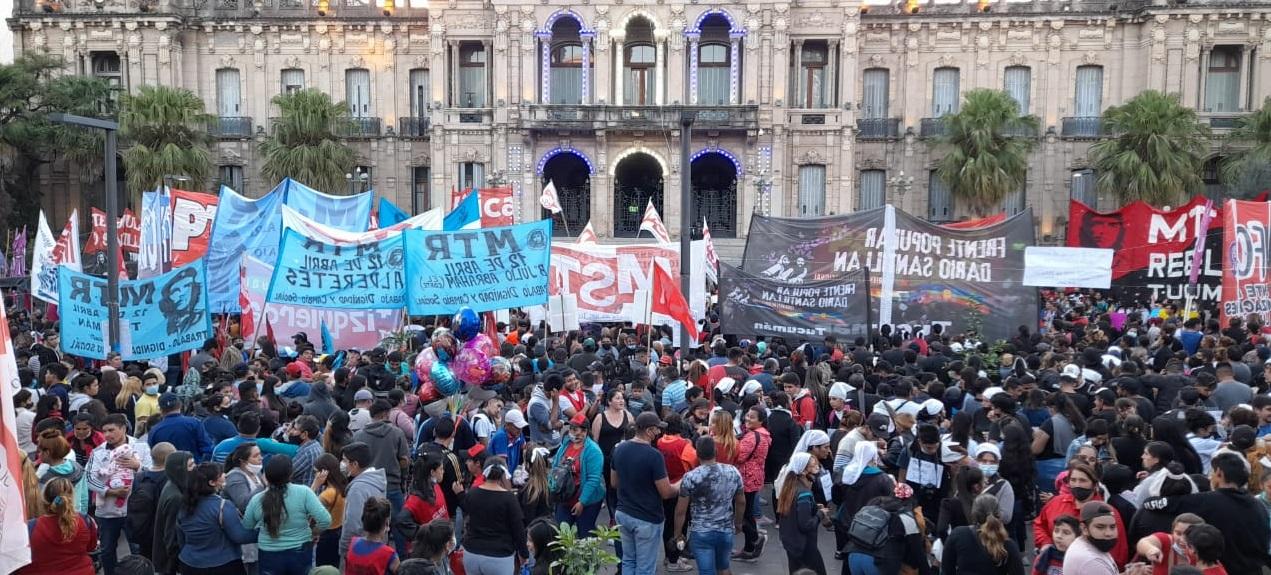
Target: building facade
(802, 108)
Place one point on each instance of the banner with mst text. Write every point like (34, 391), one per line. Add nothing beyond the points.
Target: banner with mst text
(1153, 248)
(754, 305)
(921, 273)
(1247, 245)
(159, 316)
(484, 269)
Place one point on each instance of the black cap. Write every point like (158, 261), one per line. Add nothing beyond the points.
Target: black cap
(649, 419)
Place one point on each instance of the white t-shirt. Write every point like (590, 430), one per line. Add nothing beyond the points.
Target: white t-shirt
(482, 426)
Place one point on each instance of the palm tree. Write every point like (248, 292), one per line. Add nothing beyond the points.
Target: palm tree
(1245, 170)
(1157, 151)
(165, 130)
(988, 161)
(303, 144)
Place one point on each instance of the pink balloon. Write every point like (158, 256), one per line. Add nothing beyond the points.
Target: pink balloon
(423, 365)
(484, 342)
(473, 364)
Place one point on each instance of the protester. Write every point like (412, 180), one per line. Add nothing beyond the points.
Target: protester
(211, 530)
(62, 538)
(495, 529)
(283, 513)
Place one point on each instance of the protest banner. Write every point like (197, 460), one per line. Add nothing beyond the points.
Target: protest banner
(155, 255)
(348, 213)
(609, 278)
(128, 226)
(484, 269)
(924, 272)
(497, 208)
(292, 219)
(192, 217)
(754, 305)
(15, 544)
(313, 273)
(51, 252)
(350, 328)
(1153, 248)
(1052, 266)
(159, 316)
(1247, 244)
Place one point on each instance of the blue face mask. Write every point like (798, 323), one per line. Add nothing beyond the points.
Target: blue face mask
(152, 390)
(989, 469)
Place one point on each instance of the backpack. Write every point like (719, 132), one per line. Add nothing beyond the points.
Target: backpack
(869, 528)
(562, 482)
(143, 501)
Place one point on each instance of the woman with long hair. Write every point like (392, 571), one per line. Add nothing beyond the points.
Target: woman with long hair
(210, 528)
(31, 489)
(125, 400)
(431, 549)
(1083, 487)
(1156, 457)
(243, 480)
(955, 511)
(61, 539)
(494, 530)
(1172, 430)
(269, 399)
(1017, 468)
(1130, 444)
(721, 430)
(983, 547)
(540, 535)
(284, 511)
(331, 485)
(535, 498)
(338, 434)
(798, 514)
(426, 501)
(47, 408)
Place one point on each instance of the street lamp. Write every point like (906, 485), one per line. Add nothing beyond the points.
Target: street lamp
(112, 213)
(357, 180)
(496, 179)
(761, 195)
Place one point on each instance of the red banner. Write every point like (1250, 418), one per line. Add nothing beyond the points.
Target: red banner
(1153, 248)
(192, 217)
(1247, 243)
(496, 207)
(128, 226)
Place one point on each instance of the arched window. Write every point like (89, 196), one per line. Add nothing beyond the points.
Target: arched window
(639, 86)
(567, 73)
(712, 74)
(472, 75)
(814, 90)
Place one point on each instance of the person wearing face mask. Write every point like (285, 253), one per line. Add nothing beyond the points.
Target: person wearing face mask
(430, 552)
(1083, 488)
(1235, 513)
(988, 458)
(922, 465)
(244, 479)
(799, 513)
(286, 515)
(210, 529)
(148, 402)
(1093, 553)
(1165, 550)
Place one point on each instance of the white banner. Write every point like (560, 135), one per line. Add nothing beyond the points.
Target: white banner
(1052, 266)
(15, 547)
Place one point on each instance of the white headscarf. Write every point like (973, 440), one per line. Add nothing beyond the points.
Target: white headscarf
(798, 462)
(811, 438)
(840, 390)
(866, 453)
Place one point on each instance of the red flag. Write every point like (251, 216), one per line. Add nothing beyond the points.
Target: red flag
(269, 331)
(246, 319)
(669, 301)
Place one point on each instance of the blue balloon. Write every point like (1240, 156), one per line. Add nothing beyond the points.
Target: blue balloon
(444, 379)
(466, 324)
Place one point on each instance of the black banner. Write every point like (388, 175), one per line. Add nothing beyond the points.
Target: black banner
(754, 305)
(922, 273)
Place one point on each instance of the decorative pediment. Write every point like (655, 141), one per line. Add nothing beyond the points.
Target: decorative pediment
(293, 62)
(811, 156)
(870, 164)
(230, 157)
(473, 155)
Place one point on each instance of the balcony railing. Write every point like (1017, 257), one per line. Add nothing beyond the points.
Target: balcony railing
(1082, 127)
(583, 117)
(231, 127)
(1020, 132)
(932, 128)
(413, 127)
(878, 128)
(225, 8)
(1224, 122)
(359, 128)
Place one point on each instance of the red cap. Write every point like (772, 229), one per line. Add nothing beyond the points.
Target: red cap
(294, 369)
(666, 359)
(476, 450)
(580, 420)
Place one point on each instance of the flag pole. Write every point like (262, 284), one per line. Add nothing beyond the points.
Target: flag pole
(652, 282)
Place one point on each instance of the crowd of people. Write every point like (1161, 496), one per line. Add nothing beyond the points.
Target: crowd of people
(1106, 440)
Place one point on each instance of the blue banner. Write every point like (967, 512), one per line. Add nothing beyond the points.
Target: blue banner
(467, 214)
(485, 269)
(158, 316)
(348, 213)
(390, 214)
(368, 275)
(242, 226)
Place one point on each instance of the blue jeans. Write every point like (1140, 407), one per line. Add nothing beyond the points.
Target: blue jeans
(110, 528)
(641, 542)
(296, 561)
(396, 501)
(585, 523)
(861, 564)
(711, 549)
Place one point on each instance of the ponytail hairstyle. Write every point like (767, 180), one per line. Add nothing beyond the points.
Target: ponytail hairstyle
(278, 476)
(53, 445)
(59, 501)
(987, 517)
(200, 485)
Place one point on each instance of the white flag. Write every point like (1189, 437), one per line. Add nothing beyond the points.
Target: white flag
(588, 236)
(549, 199)
(67, 250)
(652, 223)
(15, 546)
(712, 258)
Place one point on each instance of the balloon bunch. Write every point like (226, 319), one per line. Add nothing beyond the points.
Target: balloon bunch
(444, 366)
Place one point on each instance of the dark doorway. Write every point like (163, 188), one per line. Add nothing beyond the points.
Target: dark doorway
(715, 195)
(572, 178)
(638, 178)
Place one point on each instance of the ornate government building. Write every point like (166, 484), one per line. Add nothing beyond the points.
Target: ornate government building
(802, 107)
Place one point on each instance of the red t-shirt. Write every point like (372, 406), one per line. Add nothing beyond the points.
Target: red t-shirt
(575, 450)
(423, 511)
(53, 555)
(577, 400)
(1166, 542)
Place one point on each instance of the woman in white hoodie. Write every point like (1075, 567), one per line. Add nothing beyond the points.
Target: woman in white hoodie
(25, 412)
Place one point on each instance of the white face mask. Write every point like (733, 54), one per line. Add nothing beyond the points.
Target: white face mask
(344, 468)
(254, 468)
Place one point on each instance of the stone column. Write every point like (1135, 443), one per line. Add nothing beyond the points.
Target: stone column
(1245, 54)
(456, 92)
(619, 52)
(797, 98)
(602, 62)
(1202, 102)
(830, 80)
(734, 68)
(692, 71)
(659, 72)
(545, 67)
(488, 47)
(586, 96)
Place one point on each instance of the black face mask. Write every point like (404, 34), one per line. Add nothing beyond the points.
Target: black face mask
(1081, 493)
(1104, 545)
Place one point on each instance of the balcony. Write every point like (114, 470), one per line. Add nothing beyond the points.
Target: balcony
(1020, 132)
(359, 128)
(231, 127)
(228, 9)
(1225, 122)
(878, 128)
(638, 118)
(932, 128)
(415, 128)
(1089, 127)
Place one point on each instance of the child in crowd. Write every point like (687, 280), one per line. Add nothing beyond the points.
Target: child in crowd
(1050, 560)
(370, 554)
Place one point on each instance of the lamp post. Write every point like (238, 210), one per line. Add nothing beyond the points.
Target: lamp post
(112, 213)
(686, 215)
(761, 195)
(357, 180)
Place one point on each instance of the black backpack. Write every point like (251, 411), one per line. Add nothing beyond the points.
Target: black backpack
(869, 529)
(143, 502)
(562, 482)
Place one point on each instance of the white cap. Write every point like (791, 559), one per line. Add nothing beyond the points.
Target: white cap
(933, 406)
(988, 447)
(516, 418)
(725, 384)
(955, 347)
(751, 386)
(1071, 371)
(990, 392)
(840, 390)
